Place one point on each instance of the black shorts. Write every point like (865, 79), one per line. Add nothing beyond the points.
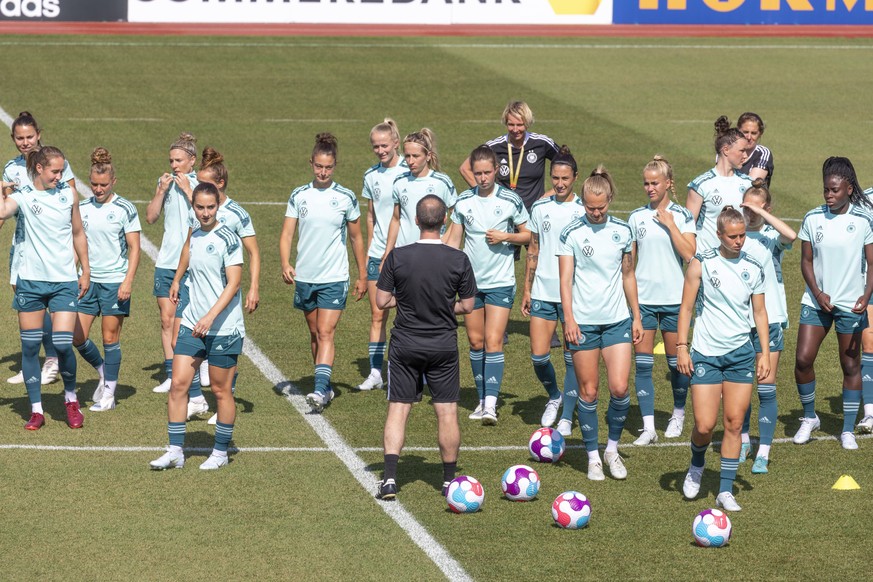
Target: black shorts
(407, 368)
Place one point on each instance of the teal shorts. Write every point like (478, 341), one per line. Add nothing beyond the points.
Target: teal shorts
(309, 296)
(373, 265)
(222, 351)
(777, 338)
(846, 322)
(499, 296)
(664, 316)
(102, 299)
(163, 281)
(595, 337)
(38, 295)
(548, 310)
(736, 366)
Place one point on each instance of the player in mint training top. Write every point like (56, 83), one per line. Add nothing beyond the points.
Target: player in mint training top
(378, 190)
(866, 423)
(836, 260)
(767, 239)
(602, 315)
(727, 287)
(47, 279)
(173, 199)
(26, 135)
(212, 327)
(326, 213)
(541, 299)
(423, 178)
(664, 240)
(489, 219)
(113, 231)
(721, 186)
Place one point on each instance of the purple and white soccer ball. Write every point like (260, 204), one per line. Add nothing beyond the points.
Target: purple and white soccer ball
(520, 483)
(546, 445)
(711, 528)
(465, 495)
(571, 510)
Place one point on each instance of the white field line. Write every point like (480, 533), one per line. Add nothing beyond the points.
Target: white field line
(119, 119)
(314, 121)
(335, 443)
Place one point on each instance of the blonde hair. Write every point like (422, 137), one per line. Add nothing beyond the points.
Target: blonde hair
(759, 188)
(663, 168)
(101, 162)
(729, 215)
(388, 126)
(520, 110)
(187, 143)
(427, 140)
(599, 183)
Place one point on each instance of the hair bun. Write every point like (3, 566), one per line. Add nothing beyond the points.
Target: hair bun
(758, 182)
(659, 158)
(25, 114)
(326, 138)
(565, 150)
(185, 136)
(210, 157)
(101, 155)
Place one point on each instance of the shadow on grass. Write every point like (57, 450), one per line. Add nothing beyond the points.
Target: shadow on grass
(709, 484)
(15, 360)
(831, 421)
(415, 468)
(157, 370)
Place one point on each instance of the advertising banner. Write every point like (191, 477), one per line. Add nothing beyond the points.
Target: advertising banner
(485, 12)
(64, 10)
(744, 12)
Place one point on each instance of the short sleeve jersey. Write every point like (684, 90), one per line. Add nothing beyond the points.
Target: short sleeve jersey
(548, 218)
(378, 188)
(530, 162)
(408, 190)
(322, 214)
(838, 261)
(106, 227)
(598, 250)
(761, 158)
(235, 217)
(426, 278)
(48, 233)
(717, 192)
(177, 221)
(502, 210)
(724, 302)
(764, 246)
(211, 253)
(659, 267)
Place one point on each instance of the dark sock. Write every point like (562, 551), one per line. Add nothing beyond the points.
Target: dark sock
(390, 471)
(449, 470)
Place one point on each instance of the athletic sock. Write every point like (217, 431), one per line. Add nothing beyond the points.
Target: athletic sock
(744, 437)
(494, 366)
(767, 411)
(195, 390)
(322, 378)
(851, 403)
(176, 431)
(698, 454)
(571, 389)
(90, 353)
(223, 434)
(63, 341)
(377, 356)
(477, 364)
(611, 446)
(30, 342)
(490, 402)
(679, 382)
(616, 415)
(449, 470)
(867, 381)
(47, 345)
(763, 451)
(645, 386)
(545, 373)
(587, 412)
(390, 471)
(111, 367)
(168, 368)
(728, 474)
(807, 398)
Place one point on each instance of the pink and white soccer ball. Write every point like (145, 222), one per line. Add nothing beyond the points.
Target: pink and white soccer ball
(571, 510)
(546, 445)
(465, 495)
(520, 483)
(711, 528)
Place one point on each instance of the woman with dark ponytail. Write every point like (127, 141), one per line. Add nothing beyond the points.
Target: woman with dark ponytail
(759, 159)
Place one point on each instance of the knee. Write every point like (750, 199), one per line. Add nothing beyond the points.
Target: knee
(588, 392)
(325, 335)
(167, 321)
(733, 423)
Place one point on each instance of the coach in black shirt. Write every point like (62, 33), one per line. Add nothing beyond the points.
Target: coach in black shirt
(429, 283)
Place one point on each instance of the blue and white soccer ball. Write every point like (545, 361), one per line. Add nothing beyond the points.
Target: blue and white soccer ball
(465, 495)
(520, 483)
(571, 510)
(711, 528)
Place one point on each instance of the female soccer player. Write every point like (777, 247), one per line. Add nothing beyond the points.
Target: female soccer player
(423, 178)
(173, 198)
(26, 135)
(326, 212)
(664, 240)
(721, 186)
(212, 327)
(759, 160)
(235, 217)
(378, 188)
(112, 228)
(486, 219)
(837, 266)
(767, 239)
(49, 216)
(597, 286)
(725, 283)
(541, 300)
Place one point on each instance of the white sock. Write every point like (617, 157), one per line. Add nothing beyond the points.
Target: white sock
(36, 408)
(868, 409)
(593, 456)
(100, 372)
(50, 360)
(745, 437)
(217, 453)
(375, 373)
(491, 402)
(70, 396)
(198, 399)
(764, 451)
(649, 423)
(679, 412)
(482, 403)
(109, 389)
(174, 449)
(611, 446)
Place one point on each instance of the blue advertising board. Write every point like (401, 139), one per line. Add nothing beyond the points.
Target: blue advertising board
(743, 12)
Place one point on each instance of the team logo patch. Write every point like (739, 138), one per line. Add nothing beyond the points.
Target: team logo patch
(746, 275)
(36, 209)
(21, 300)
(547, 226)
(304, 212)
(404, 200)
(85, 224)
(503, 171)
(222, 220)
(469, 220)
(588, 250)
(210, 248)
(819, 236)
(715, 281)
(616, 238)
(851, 227)
(717, 200)
(334, 202)
(577, 215)
(297, 298)
(700, 371)
(63, 199)
(531, 157)
(805, 312)
(111, 217)
(157, 285)
(498, 211)
(430, 190)
(642, 232)
(537, 305)
(581, 339)
(372, 268)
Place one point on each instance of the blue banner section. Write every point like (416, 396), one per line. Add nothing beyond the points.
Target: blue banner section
(743, 12)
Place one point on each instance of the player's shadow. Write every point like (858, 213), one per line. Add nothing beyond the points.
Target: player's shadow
(519, 330)
(305, 385)
(530, 410)
(15, 359)
(831, 421)
(364, 366)
(199, 443)
(20, 405)
(709, 484)
(157, 370)
(414, 468)
(86, 391)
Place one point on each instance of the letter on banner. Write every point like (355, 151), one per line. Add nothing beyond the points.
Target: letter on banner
(724, 5)
(796, 5)
(671, 4)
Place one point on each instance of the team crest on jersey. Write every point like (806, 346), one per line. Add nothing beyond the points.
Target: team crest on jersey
(642, 232)
(547, 226)
(531, 157)
(334, 202)
(110, 217)
(222, 220)
(616, 237)
(700, 371)
(819, 236)
(498, 211)
(377, 192)
(63, 199)
(588, 251)
(404, 200)
(745, 275)
(210, 248)
(503, 170)
(430, 190)
(36, 209)
(716, 282)
(851, 227)
(717, 200)
(304, 211)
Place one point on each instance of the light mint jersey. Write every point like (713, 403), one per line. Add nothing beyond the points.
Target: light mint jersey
(548, 218)
(659, 267)
(211, 252)
(408, 190)
(47, 218)
(235, 217)
(503, 210)
(597, 251)
(177, 221)
(717, 192)
(724, 301)
(106, 226)
(838, 259)
(378, 189)
(321, 216)
(764, 246)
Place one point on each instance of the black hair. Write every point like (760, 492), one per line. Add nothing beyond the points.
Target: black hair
(842, 167)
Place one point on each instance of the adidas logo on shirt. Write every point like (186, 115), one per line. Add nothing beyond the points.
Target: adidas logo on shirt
(764, 420)
(491, 380)
(772, 344)
(853, 325)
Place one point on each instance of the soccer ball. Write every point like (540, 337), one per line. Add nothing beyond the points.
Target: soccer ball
(546, 445)
(711, 528)
(520, 483)
(466, 495)
(571, 510)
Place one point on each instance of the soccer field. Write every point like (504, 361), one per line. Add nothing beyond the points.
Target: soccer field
(83, 505)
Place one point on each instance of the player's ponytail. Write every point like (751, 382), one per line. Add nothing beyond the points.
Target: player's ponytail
(565, 158)
(101, 162)
(213, 162)
(729, 215)
(326, 144)
(41, 157)
(599, 183)
(725, 135)
(388, 126)
(663, 168)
